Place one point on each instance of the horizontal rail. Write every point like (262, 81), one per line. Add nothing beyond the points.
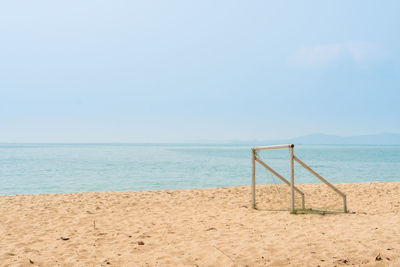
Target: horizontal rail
(282, 179)
(343, 195)
(272, 147)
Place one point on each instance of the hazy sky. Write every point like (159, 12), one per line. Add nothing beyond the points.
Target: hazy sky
(150, 71)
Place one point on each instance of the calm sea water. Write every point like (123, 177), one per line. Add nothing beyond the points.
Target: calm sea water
(60, 168)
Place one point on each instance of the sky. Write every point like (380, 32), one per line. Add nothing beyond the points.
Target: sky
(178, 71)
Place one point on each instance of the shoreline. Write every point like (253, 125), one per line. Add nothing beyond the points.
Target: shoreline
(203, 227)
(195, 188)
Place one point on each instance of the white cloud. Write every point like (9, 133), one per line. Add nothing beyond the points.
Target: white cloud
(322, 55)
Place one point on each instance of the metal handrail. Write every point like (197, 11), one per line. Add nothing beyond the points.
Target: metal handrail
(291, 184)
(272, 147)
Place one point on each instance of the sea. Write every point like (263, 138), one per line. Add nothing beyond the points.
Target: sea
(65, 168)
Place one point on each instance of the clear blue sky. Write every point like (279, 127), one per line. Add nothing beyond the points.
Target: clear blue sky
(150, 71)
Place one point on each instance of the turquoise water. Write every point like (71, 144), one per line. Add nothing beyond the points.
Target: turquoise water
(60, 168)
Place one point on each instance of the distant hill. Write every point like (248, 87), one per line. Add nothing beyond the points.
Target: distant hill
(326, 139)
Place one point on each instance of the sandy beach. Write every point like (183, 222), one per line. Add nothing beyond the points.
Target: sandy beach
(202, 227)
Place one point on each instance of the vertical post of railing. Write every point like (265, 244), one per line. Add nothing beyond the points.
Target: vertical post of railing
(253, 180)
(292, 208)
(344, 204)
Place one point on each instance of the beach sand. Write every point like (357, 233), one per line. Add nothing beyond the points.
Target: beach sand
(202, 227)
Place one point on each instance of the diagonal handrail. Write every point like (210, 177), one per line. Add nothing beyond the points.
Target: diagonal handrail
(282, 179)
(343, 195)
